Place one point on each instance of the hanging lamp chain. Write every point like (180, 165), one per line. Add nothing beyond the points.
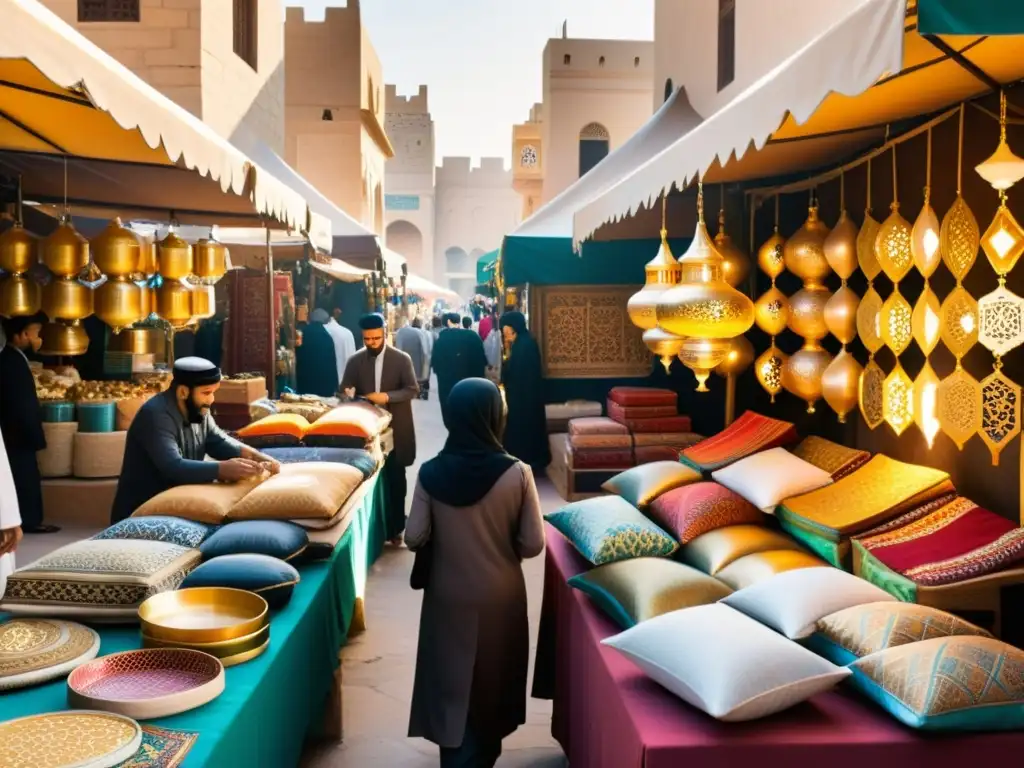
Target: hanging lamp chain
(928, 169)
(960, 152)
(664, 223)
(895, 181)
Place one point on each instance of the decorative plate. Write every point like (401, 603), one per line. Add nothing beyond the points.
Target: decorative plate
(68, 740)
(202, 615)
(222, 650)
(146, 684)
(34, 651)
(241, 658)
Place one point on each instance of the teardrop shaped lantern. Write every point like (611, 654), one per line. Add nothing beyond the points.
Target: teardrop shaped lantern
(664, 345)
(804, 252)
(703, 309)
(866, 237)
(802, 374)
(839, 384)
(174, 256)
(661, 273)
(926, 389)
(115, 251)
(768, 369)
(210, 261)
(841, 314)
(737, 264)
(959, 235)
(807, 314)
(64, 252)
(771, 311)
(892, 245)
(841, 247)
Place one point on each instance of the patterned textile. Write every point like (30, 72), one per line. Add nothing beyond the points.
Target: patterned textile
(643, 397)
(761, 566)
(161, 748)
(314, 490)
(947, 683)
(601, 458)
(173, 530)
(956, 542)
(660, 424)
(92, 575)
(609, 529)
(624, 413)
(680, 440)
(749, 434)
(573, 409)
(642, 485)
(653, 453)
(621, 442)
(359, 458)
(691, 510)
(880, 490)
(853, 633)
(596, 425)
(207, 503)
(713, 551)
(836, 459)
(291, 424)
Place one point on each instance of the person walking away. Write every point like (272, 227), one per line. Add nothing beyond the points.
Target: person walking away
(476, 510)
(428, 341)
(21, 418)
(385, 376)
(487, 324)
(316, 368)
(521, 376)
(10, 518)
(458, 354)
(344, 341)
(467, 322)
(410, 340)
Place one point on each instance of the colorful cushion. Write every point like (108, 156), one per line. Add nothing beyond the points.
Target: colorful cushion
(849, 634)
(172, 530)
(624, 413)
(643, 396)
(792, 602)
(614, 442)
(359, 458)
(642, 485)
(654, 453)
(761, 566)
(766, 478)
(680, 440)
(631, 591)
(275, 538)
(285, 424)
(659, 424)
(749, 434)
(207, 503)
(692, 510)
(947, 684)
(272, 579)
(724, 663)
(836, 459)
(608, 529)
(348, 420)
(596, 425)
(956, 542)
(572, 409)
(601, 458)
(311, 490)
(711, 552)
(98, 578)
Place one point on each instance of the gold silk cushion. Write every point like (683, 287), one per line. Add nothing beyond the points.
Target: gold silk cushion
(755, 568)
(861, 630)
(713, 551)
(642, 485)
(631, 591)
(350, 420)
(692, 510)
(315, 489)
(207, 503)
(290, 424)
(838, 460)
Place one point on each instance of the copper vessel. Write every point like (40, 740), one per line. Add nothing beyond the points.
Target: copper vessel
(174, 303)
(19, 297)
(17, 250)
(64, 252)
(118, 303)
(67, 299)
(210, 262)
(64, 340)
(175, 258)
(115, 251)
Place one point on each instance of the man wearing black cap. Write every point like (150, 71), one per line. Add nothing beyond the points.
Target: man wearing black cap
(385, 376)
(171, 436)
(458, 354)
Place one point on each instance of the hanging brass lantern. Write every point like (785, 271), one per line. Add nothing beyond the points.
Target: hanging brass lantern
(19, 297)
(662, 272)
(737, 265)
(840, 383)
(115, 251)
(174, 304)
(210, 260)
(61, 339)
(147, 301)
(67, 299)
(203, 302)
(64, 252)
(1003, 168)
(841, 314)
(770, 255)
(892, 244)
(807, 314)
(705, 310)
(771, 311)
(741, 355)
(664, 345)
(17, 250)
(801, 375)
(175, 258)
(768, 369)
(841, 247)
(804, 252)
(118, 303)
(148, 264)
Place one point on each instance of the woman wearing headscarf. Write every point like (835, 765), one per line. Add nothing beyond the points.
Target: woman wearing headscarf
(526, 437)
(476, 512)
(316, 366)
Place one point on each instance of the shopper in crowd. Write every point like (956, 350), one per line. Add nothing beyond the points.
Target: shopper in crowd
(475, 516)
(526, 437)
(344, 341)
(467, 322)
(21, 418)
(409, 338)
(316, 367)
(458, 354)
(487, 324)
(428, 342)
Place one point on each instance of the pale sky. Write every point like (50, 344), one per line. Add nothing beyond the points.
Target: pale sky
(482, 58)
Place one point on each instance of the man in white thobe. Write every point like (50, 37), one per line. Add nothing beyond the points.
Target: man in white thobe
(10, 518)
(344, 341)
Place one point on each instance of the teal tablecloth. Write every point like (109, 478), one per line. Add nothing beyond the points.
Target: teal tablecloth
(270, 703)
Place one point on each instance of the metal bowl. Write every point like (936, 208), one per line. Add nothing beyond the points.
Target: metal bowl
(203, 615)
(222, 649)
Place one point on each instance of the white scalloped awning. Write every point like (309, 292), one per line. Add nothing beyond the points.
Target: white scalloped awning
(428, 290)
(69, 98)
(341, 270)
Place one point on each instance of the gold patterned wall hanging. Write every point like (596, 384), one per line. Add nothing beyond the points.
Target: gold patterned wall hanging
(926, 320)
(898, 400)
(959, 322)
(768, 369)
(892, 248)
(870, 394)
(959, 236)
(1000, 413)
(584, 332)
(924, 238)
(926, 391)
(771, 310)
(959, 406)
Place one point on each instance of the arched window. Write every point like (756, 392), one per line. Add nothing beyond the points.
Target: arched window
(594, 145)
(669, 89)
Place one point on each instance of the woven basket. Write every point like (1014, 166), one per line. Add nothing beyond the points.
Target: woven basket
(99, 454)
(57, 460)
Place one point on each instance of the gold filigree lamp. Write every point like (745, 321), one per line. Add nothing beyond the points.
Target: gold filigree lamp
(893, 250)
(841, 254)
(771, 310)
(925, 322)
(768, 369)
(703, 309)
(1003, 168)
(926, 390)
(736, 265)
(661, 273)
(664, 345)
(870, 394)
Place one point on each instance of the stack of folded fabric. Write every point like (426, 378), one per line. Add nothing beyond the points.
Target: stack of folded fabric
(597, 442)
(652, 417)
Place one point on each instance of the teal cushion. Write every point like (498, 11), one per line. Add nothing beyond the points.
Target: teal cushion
(267, 576)
(170, 530)
(276, 538)
(609, 529)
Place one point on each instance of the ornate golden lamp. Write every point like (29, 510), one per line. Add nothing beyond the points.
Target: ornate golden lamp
(174, 303)
(61, 339)
(1003, 168)
(661, 273)
(115, 251)
(869, 313)
(17, 250)
(64, 252)
(664, 345)
(771, 310)
(210, 261)
(737, 265)
(174, 256)
(704, 309)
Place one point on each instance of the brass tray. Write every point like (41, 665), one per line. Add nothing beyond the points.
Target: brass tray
(203, 615)
(241, 658)
(222, 650)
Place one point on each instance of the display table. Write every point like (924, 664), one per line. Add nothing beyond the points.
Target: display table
(607, 714)
(271, 703)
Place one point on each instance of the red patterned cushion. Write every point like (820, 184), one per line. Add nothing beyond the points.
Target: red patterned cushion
(663, 424)
(651, 453)
(596, 425)
(694, 509)
(678, 440)
(749, 434)
(643, 396)
(624, 413)
(601, 458)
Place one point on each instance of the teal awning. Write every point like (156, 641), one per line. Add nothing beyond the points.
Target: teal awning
(970, 17)
(485, 267)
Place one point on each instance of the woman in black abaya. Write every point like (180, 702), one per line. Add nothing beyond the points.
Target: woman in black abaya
(526, 432)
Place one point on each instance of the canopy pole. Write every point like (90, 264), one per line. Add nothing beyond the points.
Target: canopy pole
(272, 363)
(730, 399)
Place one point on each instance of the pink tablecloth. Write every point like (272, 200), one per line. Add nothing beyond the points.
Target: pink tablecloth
(607, 714)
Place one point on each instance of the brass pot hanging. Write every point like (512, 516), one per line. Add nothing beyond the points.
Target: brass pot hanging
(841, 314)
(736, 265)
(67, 299)
(203, 302)
(118, 303)
(64, 252)
(147, 300)
(148, 264)
(175, 258)
(115, 251)
(804, 252)
(63, 340)
(802, 372)
(210, 261)
(666, 346)
(841, 247)
(662, 272)
(19, 297)
(174, 303)
(807, 314)
(17, 250)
